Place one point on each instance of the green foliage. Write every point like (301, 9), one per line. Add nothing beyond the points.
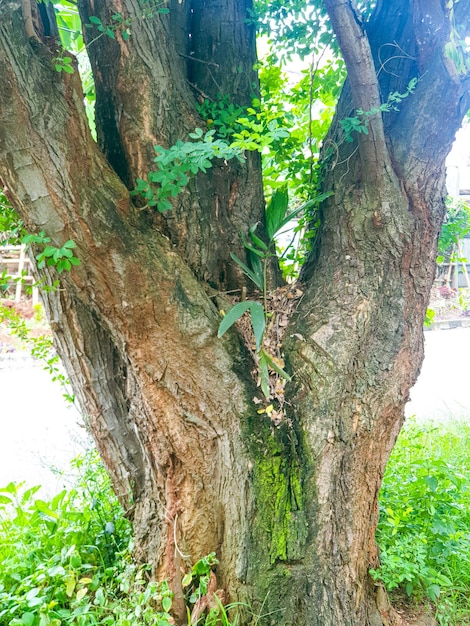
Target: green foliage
(259, 253)
(61, 258)
(360, 123)
(429, 318)
(456, 48)
(177, 164)
(122, 25)
(68, 561)
(257, 319)
(222, 116)
(196, 582)
(294, 28)
(11, 227)
(424, 527)
(118, 23)
(456, 225)
(63, 64)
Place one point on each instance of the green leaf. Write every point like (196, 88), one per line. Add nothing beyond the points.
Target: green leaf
(276, 211)
(257, 279)
(316, 200)
(274, 366)
(431, 482)
(258, 253)
(264, 374)
(258, 322)
(28, 618)
(256, 240)
(257, 319)
(94, 19)
(166, 603)
(235, 313)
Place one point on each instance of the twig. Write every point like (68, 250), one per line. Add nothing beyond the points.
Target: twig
(188, 56)
(202, 93)
(183, 556)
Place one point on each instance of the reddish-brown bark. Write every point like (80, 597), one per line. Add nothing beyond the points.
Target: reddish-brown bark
(290, 510)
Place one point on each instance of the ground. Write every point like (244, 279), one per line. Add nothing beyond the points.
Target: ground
(450, 305)
(34, 319)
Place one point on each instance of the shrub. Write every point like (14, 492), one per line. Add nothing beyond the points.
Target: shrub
(68, 560)
(424, 527)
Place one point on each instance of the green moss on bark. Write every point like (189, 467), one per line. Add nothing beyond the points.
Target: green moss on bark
(280, 508)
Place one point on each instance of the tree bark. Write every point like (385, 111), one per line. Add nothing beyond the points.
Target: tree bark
(290, 509)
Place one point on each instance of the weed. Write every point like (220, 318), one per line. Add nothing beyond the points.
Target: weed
(424, 527)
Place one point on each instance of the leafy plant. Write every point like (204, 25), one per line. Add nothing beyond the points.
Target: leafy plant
(63, 64)
(61, 258)
(117, 23)
(360, 123)
(260, 253)
(11, 227)
(455, 226)
(177, 164)
(424, 527)
(68, 561)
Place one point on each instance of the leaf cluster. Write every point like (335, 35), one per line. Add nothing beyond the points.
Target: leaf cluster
(61, 258)
(424, 527)
(177, 164)
(11, 226)
(67, 560)
(455, 226)
(360, 122)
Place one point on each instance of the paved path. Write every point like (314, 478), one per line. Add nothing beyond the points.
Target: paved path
(443, 387)
(40, 431)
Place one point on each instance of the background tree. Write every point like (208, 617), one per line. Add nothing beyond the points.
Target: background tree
(290, 506)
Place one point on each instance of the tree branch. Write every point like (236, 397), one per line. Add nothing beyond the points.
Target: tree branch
(357, 55)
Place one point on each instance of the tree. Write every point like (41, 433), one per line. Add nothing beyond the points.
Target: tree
(290, 508)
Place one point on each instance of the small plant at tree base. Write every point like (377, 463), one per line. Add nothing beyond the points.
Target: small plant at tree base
(260, 253)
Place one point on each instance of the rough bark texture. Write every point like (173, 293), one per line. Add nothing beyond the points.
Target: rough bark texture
(290, 510)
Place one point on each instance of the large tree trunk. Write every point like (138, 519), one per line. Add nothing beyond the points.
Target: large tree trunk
(290, 509)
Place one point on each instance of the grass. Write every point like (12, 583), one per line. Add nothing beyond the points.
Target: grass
(424, 527)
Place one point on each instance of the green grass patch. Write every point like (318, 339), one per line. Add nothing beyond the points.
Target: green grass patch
(68, 561)
(424, 527)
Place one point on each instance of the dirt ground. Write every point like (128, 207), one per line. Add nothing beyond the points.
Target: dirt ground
(35, 321)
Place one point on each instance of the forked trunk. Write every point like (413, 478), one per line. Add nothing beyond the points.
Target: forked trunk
(290, 508)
